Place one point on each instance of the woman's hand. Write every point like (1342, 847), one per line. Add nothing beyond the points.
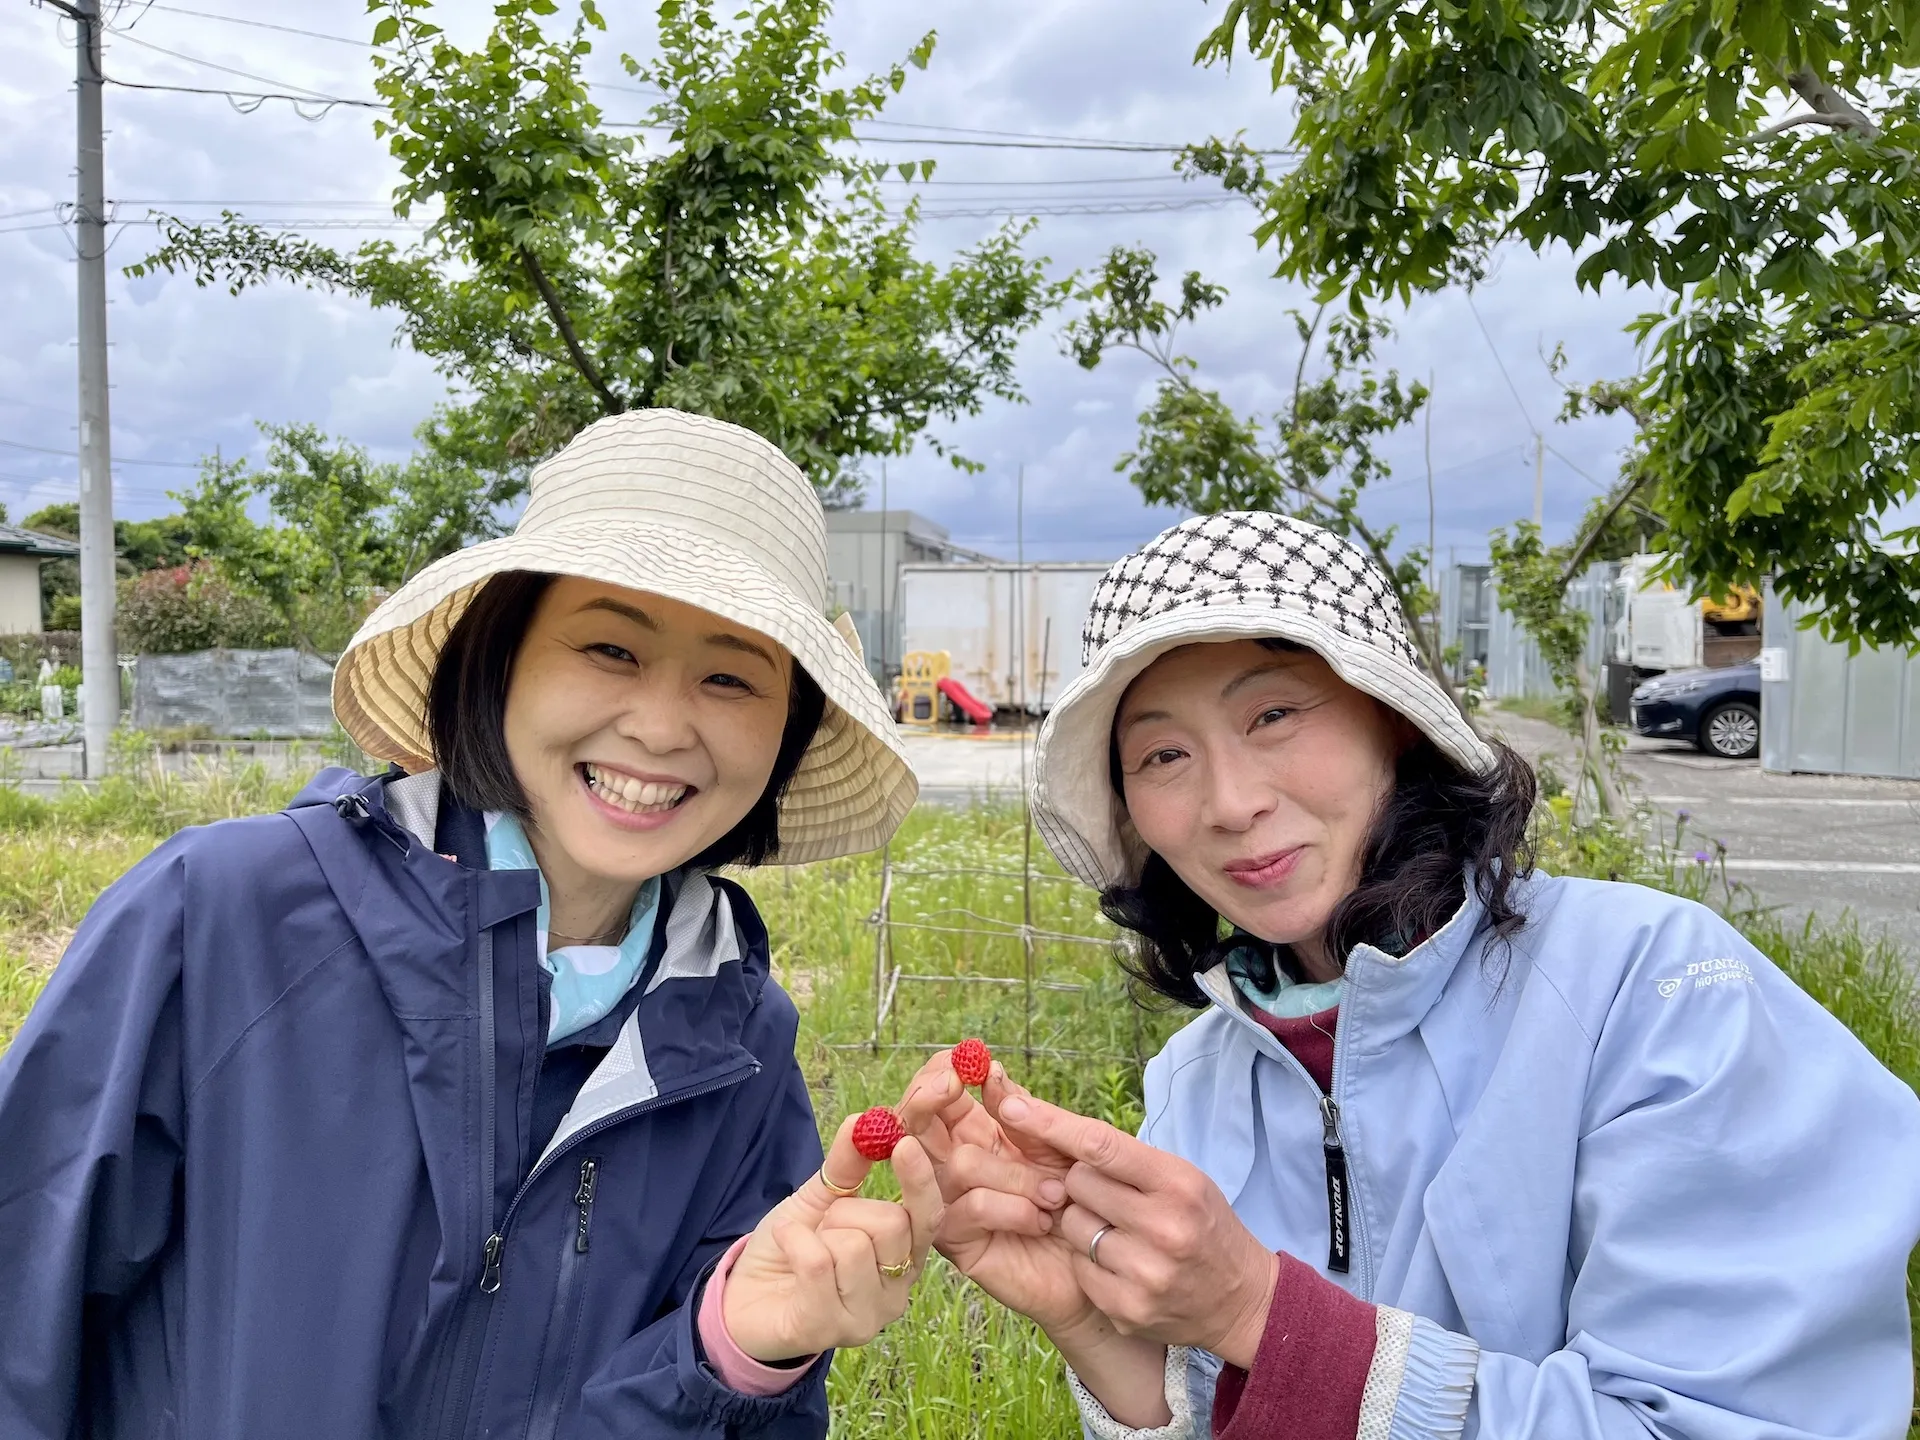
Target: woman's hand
(815, 1273)
(1001, 1202)
(1175, 1265)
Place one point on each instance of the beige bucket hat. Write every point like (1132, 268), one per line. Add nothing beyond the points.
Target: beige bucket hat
(1239, 575)
(699, 511)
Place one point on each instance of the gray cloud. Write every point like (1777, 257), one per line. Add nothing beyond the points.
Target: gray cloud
(194, 369)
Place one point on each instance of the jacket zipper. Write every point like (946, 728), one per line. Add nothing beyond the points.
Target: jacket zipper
(583, 1201)
(472, 1320)
(1339, 1245)
(1344, 1240)
(556, 1365)
(490, 1278)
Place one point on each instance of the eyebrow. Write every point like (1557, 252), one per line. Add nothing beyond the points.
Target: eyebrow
(1226, 693)
(1247, 677)
(647, 622)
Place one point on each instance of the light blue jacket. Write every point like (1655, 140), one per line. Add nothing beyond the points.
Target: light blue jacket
(1618, 1178)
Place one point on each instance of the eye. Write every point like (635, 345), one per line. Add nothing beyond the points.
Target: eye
(1271, 716)
(613, 652)
(1162, 757)
(730, 682)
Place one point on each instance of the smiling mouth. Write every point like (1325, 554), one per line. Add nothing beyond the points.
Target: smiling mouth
(632, 794)
(1265, 869)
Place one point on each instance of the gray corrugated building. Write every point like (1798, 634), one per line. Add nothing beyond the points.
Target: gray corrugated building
(865, 550)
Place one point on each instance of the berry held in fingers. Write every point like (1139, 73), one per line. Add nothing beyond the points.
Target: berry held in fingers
(972, 1061)
(877, 1132)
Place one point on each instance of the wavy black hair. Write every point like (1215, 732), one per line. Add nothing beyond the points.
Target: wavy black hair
(1438, 828)
(467, 714)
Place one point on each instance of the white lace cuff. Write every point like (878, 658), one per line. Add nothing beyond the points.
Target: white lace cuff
(1100, 1425)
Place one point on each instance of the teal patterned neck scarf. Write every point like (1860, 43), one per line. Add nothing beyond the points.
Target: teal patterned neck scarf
(588, 980)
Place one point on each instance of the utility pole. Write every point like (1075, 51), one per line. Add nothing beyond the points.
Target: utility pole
(99, 656)
(1539, 479)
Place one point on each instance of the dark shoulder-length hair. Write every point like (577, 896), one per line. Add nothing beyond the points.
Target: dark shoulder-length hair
(1439, 829)
(467, 714)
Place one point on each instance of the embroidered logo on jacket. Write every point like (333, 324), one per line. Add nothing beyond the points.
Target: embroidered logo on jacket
(1702, 973)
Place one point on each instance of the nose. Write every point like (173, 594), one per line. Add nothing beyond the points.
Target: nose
(1234, 798)
(658, 716)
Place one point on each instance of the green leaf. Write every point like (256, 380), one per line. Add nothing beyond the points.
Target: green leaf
(387, 31)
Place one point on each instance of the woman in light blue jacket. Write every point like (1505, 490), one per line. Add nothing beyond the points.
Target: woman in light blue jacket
(1455, 1147)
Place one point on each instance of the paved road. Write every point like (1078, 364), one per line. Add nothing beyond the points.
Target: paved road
(1804, 843)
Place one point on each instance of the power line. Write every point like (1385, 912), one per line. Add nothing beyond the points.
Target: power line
(325, 102)
(1162, 178)
(266, 25)
(1125, 207)
(1488, 337)
(348, 40)
(1576, 469)
(229, 70)
(75, 455)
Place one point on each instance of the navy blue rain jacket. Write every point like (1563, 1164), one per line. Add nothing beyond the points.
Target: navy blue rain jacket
(270, 1164)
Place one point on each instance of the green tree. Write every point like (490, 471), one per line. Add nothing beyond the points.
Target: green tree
(340, 529)
(748, 268)
(1753, 162)
(1313, 460)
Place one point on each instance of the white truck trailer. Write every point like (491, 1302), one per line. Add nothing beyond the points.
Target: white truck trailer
(1012, 632)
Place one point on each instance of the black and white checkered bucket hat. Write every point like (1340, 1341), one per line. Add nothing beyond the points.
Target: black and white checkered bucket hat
(1240, 575)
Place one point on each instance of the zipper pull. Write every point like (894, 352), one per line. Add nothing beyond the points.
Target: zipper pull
(490, 1277)
(583, 1197)
(1339, 1244)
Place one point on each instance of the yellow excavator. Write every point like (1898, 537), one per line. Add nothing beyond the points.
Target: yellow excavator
(1736, 613)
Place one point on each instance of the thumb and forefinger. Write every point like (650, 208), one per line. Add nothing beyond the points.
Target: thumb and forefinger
(1090, 1142)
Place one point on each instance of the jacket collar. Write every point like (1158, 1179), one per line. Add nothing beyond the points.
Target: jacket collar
(1385, 996)
(412, 907)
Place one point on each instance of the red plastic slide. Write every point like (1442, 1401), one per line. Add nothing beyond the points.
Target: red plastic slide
(965, 702)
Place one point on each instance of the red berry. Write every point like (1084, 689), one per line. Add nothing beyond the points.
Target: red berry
(972, 1061)
(876, 1133)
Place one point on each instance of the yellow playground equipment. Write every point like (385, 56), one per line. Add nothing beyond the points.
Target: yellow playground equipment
(916, 698)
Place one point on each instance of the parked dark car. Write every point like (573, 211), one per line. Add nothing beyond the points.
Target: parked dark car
(1718, 710)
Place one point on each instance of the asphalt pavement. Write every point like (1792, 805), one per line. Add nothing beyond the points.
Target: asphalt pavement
(1823, 844)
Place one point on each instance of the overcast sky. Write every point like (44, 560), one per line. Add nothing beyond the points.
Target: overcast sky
(193, 370)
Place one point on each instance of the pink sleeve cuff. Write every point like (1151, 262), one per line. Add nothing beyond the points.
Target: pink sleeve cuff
(1310, 1373)
(738, 1370)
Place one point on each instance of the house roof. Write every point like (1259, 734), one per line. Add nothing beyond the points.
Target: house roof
(15, 541)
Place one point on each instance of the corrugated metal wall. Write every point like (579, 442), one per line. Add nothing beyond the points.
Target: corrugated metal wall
(1823, 711)
(235, 693)
(1514, 664)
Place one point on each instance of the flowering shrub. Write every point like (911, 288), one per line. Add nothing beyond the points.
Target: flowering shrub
(184, 608)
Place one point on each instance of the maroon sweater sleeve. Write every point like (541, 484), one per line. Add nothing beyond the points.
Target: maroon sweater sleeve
(1310, 1372)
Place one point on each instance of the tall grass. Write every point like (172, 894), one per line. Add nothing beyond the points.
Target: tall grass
(958, 1365)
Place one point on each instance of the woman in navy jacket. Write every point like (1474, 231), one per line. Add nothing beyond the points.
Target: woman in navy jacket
(458, 1101)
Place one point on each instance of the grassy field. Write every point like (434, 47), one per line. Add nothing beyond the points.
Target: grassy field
(958, 1366)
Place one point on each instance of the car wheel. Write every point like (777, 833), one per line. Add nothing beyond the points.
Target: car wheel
(1731, 731)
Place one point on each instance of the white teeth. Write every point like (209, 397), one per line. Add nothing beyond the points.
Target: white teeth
(639, 796)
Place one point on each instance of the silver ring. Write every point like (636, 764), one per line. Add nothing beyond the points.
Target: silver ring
(1093, 1245)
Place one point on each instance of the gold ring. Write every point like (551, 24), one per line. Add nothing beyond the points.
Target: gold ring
(894, 1272)
(841, 1190)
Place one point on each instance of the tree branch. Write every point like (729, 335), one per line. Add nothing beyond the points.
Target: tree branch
(1832, 122)
(1834, 108)
(585, 366)
(1583, 547)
